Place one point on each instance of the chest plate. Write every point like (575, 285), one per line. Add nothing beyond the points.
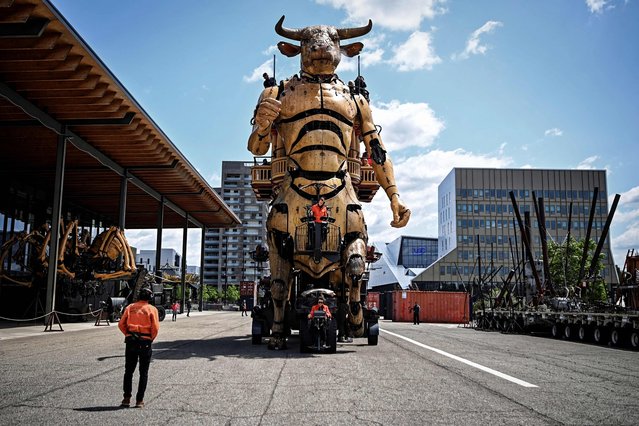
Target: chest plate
(316, 123)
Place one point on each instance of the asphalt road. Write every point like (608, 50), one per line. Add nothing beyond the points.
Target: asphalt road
(205, 371)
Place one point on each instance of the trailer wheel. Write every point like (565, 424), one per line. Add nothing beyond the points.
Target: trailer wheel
(568, 334)
(615, 336)
(372, 340)
(582, 333)
(506, 325)
(554, 331)
(634, 339)
(600, 335)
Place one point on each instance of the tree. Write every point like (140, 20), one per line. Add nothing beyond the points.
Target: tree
(211, 294)
(232, 294)
(565, 274)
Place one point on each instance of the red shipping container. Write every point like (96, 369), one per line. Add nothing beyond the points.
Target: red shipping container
(372, 300)
(436, 306)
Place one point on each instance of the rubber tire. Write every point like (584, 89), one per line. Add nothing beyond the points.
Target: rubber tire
(616, 336)
(568, 332)
(256, 339)
(554, 330)
(331, 336)
(161, 313)
(634, 339)
(372, 340)
(582, 333)
(505, 325)
(600, 335)
(304, 336)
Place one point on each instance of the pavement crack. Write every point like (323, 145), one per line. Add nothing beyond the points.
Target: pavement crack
(272, 395)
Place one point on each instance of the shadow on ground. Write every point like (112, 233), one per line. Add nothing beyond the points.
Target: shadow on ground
(97, 409)
(233, 346)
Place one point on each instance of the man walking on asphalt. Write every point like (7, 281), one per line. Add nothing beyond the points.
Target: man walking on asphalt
(140, 324)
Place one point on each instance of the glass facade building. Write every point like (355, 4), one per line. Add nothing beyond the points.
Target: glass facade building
(474, 206)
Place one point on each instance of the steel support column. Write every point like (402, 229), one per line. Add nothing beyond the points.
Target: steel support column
(158, 242)
(56, 213)
(185, 232)
(201, 292)
(123, 190)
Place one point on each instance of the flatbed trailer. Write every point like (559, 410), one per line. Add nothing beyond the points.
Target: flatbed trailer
(618, 328)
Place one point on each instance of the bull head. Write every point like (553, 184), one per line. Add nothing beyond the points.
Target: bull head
(320, 45)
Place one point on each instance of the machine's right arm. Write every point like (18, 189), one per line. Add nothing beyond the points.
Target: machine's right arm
(268, 109)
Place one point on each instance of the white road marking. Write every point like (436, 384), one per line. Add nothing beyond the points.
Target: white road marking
(465, 361)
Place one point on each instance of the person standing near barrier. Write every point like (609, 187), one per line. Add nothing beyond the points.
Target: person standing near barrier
(140, 325)
(415, 310)
(175, 307)
(188, 307)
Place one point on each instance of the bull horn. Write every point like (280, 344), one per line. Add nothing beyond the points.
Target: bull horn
(293, 34)
(346, 33)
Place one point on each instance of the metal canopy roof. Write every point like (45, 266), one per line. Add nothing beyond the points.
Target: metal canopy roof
(52, 83)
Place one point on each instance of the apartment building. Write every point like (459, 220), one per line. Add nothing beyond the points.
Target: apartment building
(227, 259)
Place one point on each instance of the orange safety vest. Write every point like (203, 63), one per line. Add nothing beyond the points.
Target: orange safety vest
(142, 319)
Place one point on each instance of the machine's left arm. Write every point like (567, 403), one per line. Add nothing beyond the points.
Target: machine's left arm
(382, 164)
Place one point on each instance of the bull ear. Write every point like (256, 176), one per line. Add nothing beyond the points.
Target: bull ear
(288, 49)
(352, 49)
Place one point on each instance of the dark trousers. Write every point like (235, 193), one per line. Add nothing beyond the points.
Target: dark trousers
(137, 351)
(415, 318)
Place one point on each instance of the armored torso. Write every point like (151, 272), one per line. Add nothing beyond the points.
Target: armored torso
(315, 124)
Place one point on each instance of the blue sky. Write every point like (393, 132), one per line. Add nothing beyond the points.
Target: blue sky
(485, 83)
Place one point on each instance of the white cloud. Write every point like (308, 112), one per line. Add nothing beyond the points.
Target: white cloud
(402, 15)
(631, 196)
(588, 163)
(553, 132)
(145, 239)
(625, 225)
(256, 75)
(407, 124)
(270, 50)
(596, 6)
(417, 179)
(473, 45)
(215, 180)
(415, 54)
(371, 55)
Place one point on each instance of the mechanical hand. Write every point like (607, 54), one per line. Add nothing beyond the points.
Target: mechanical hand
(401, 213)
(267, 112)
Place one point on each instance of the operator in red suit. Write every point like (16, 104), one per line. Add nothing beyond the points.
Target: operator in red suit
(319, 210)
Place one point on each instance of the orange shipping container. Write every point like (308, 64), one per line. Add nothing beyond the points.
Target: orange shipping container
(436, 306)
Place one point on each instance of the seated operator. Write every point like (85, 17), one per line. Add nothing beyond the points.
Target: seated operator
(319, 210)
(319, 213)
(320, 306)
